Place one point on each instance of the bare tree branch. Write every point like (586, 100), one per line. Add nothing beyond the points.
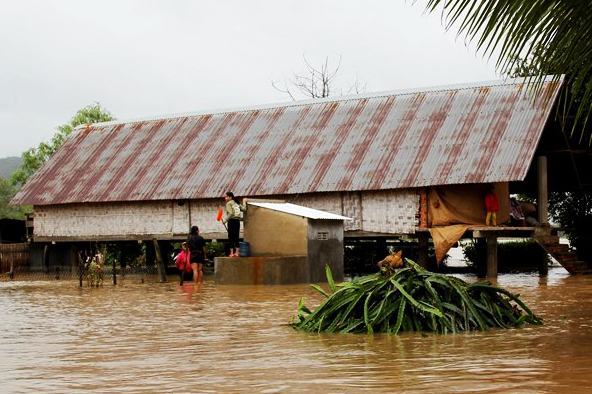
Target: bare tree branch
(286, 90)
(316, 82)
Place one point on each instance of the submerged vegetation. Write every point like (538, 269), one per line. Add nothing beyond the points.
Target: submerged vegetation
(412, 299)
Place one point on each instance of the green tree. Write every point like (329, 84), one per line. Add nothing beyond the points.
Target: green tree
(574, 211)
(34, 158)
(546, 32)
(7, 211)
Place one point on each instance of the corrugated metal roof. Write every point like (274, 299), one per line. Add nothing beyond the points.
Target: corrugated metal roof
(467, 134)
(299, 210)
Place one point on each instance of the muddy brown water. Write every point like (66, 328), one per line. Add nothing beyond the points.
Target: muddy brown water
(152, 337)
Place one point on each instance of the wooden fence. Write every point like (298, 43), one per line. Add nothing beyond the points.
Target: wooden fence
(14, 257)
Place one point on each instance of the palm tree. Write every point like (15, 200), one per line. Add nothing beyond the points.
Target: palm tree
(554, 34)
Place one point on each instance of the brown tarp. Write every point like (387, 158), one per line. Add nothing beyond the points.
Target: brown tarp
(454, 208)
(446, 236)
(463, 204)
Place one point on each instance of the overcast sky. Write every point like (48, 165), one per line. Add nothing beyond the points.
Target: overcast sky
(147, 58)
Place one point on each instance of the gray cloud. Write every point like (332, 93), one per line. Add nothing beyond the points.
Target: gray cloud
(144, 58)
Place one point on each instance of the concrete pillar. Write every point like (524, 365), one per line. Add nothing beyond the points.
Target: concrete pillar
(422, 249)
(542, 190)
(491, 256)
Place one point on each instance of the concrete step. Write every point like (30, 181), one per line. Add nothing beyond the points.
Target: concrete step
(563, 255)
(559, 252)
(565, 259)
(562, 251)
(547, 239)
(578, 267)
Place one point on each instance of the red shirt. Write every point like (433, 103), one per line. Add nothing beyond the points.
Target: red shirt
(183, 261)
(491, 202)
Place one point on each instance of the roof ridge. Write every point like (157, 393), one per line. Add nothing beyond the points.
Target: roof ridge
(299, 103)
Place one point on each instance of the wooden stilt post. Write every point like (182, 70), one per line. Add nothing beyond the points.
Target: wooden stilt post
(72, 261)
(381, 249)
(422, 249)
(480, 255)
(80, 260)
(46, 259)
(114, 273)
(159, 262)
(543, 263)
(491, 240)
(423, 237)
(542, 192)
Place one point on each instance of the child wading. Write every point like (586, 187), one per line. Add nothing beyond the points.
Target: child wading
(491, 206)
(183, 261)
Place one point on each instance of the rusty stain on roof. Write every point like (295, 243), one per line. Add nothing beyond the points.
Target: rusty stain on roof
(467, 134)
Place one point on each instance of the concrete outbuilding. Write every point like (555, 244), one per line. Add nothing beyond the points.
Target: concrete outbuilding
(289, 244)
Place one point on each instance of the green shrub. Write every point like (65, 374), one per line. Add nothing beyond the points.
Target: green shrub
(514, 256)
(215, 249)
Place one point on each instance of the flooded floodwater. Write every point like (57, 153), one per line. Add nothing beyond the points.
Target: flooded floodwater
(152, 337)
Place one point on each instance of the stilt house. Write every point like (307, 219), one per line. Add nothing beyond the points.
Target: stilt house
(395, 162)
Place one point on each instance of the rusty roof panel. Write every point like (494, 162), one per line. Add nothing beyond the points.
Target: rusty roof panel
(465, 134)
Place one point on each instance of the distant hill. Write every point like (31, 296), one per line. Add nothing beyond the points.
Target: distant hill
(8, 165)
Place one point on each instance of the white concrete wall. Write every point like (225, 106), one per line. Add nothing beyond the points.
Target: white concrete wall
(393, 212)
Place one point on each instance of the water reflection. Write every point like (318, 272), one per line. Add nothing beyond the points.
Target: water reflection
(147, 337)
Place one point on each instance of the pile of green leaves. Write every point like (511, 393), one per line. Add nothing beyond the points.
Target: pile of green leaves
(412, 299)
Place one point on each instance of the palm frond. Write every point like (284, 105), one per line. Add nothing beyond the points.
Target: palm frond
(514, 29)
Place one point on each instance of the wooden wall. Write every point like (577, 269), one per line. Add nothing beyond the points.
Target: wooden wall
(390, 212)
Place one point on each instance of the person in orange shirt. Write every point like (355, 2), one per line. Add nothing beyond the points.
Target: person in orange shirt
(491, 206)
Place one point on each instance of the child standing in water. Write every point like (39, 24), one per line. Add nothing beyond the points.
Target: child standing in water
(183, 261)
(491, 206)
